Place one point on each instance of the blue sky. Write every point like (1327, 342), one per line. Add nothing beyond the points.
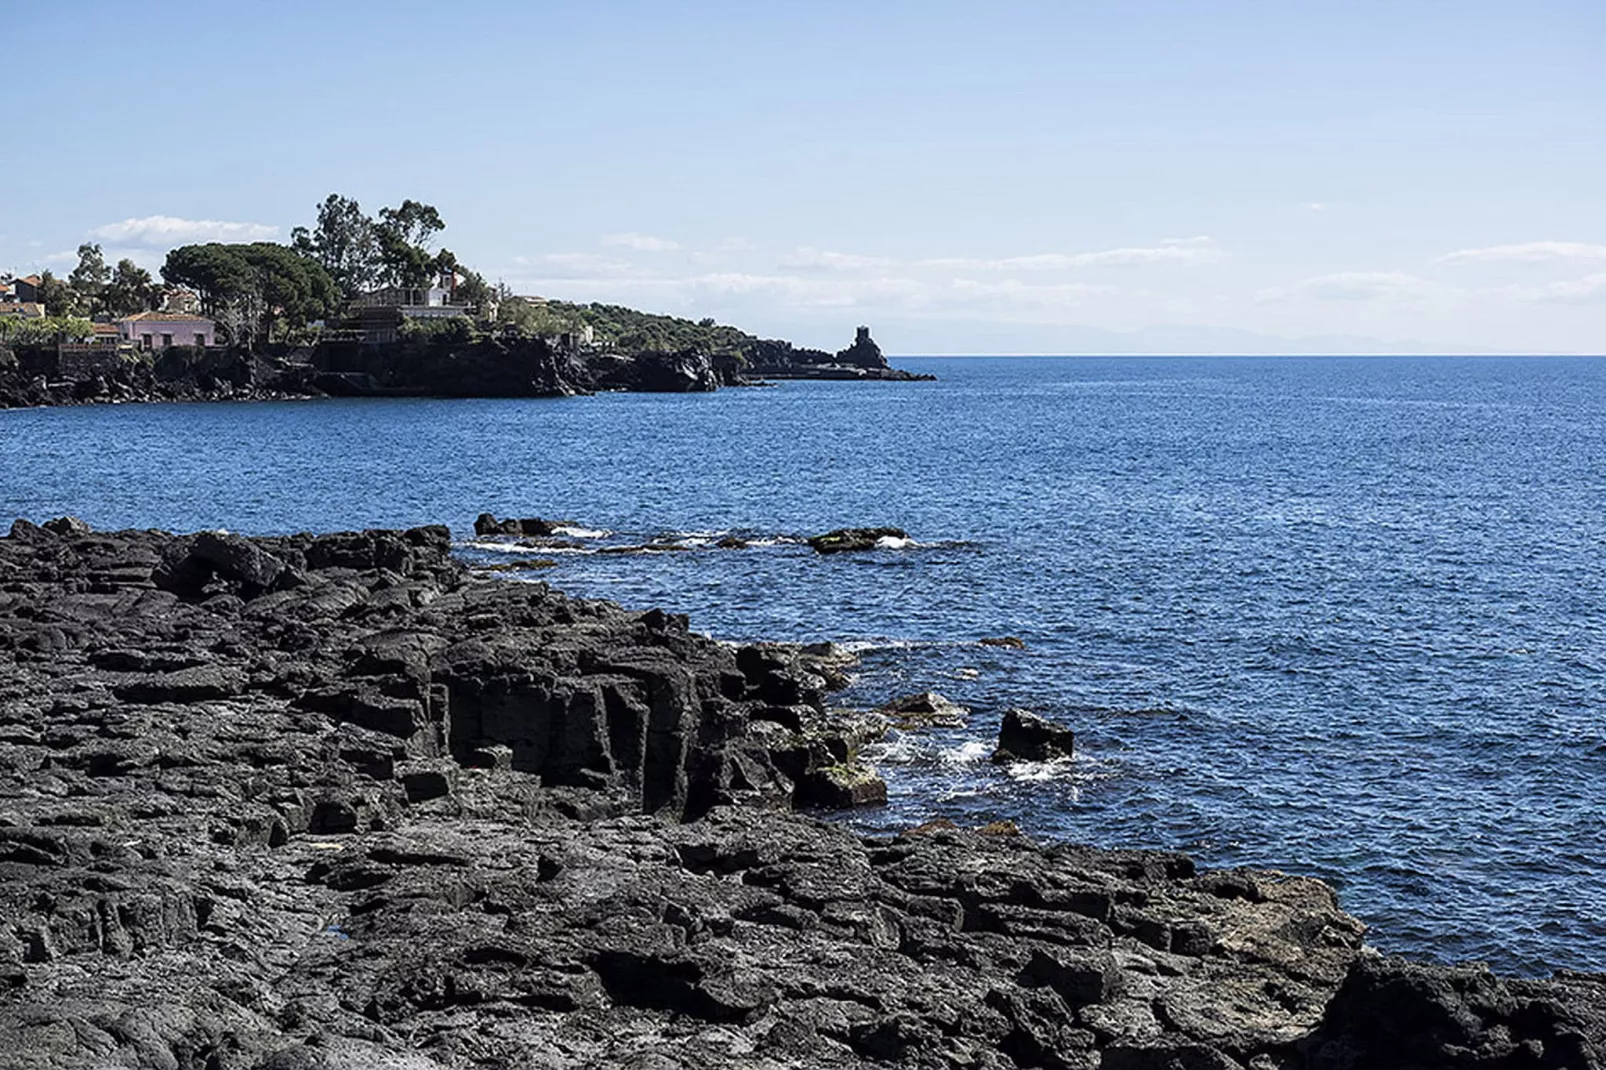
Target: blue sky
(964, 177)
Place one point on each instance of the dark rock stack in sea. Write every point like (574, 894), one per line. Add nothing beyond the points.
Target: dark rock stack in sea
(331, 802)
(863, 353)
(862, 360)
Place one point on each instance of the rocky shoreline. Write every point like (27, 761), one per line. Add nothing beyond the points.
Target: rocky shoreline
(490, 366)
(332, 801)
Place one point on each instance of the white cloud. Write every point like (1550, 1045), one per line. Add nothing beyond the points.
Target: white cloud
(1199, 250)
(808, 258)
(1007, 299)
(1317, 206)
(1353, 286)
(578, 265)
(165, 231)
(1196, 250)
(642, 243)
(1530, 252)
(1587, 290)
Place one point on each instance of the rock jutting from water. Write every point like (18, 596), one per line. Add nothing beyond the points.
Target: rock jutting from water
(317, 803)
(1026, 737)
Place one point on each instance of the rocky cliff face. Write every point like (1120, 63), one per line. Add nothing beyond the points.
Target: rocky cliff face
(331, 802)
(489, 366)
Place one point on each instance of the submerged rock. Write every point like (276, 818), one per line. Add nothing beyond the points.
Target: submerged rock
(1026, 737)
(928, 709)
(849, 539)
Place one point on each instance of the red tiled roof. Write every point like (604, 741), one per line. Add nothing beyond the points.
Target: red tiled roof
(164, 317)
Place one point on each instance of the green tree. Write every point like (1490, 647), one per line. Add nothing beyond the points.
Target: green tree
(345, 242)
(131, 289)
(90, 277)
(473, 290)
(16, 331)
(57, 296)
(254, 287)
(404, 235)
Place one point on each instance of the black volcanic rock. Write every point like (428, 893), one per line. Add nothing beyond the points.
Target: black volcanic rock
(863, 353)
(535, 527)
(862, 360)
(1026, 737)
(686, 371)
(393, 815)
(847, 540)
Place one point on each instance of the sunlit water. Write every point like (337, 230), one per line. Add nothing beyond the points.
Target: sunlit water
(1339, 617)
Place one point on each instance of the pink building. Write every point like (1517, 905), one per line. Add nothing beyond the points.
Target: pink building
(158, 330)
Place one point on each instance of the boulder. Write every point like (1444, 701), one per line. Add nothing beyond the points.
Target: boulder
(1008, 642)
(928, 709)
(847, 539)
(67, 525)
(1026, 737)
(487, 524)
(841, 787)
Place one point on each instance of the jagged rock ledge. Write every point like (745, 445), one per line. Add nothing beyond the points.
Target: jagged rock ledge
(330, 802)
(495, 365)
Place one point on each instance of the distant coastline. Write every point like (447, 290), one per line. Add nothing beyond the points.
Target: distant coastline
(462, 361)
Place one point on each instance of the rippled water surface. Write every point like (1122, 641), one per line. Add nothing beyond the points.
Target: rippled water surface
(1335, 616)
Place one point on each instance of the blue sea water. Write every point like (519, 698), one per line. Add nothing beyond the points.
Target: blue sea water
(1341, 617)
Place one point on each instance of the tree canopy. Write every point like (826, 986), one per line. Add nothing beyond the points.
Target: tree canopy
(16, 331)
(360, 252)
(90, 277)
(251, 287)
(131, 290)
(344, 243)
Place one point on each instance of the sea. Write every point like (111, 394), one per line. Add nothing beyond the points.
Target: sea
(1340, 617)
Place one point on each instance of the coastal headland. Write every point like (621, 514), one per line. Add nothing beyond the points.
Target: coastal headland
(466, 362)
(360, 307)
(335, 801)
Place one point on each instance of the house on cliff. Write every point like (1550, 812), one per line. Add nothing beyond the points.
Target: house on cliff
(162, 330)
(378, 316)
(28, 310)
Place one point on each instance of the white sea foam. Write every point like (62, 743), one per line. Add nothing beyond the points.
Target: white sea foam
(581, 533)
(901, 750)
(524, 549)
(970, 753)
(496, 547)
(892, 542)
(1058, 769)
